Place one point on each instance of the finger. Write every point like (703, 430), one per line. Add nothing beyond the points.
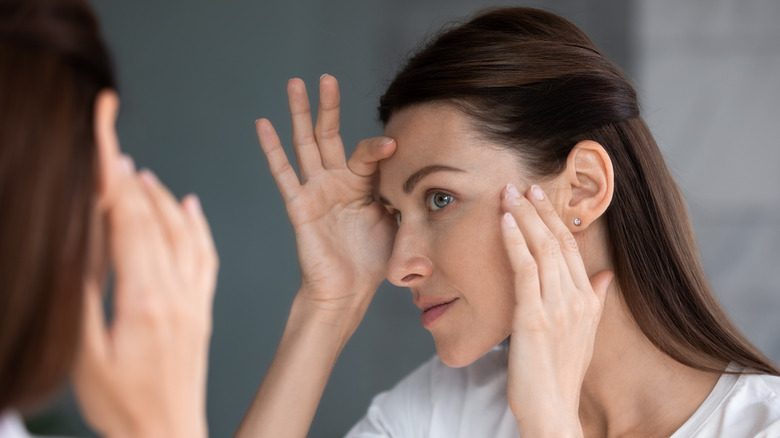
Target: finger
(527, 289)
(94, 336)
(138, 250)
(283, 173)
(600, 283)
(575, 268)
(106, 141)
(304, 142)
(544, 247)
(208, 262)
(172, 223)
(365, 160)
(94, 346)
(328, 125)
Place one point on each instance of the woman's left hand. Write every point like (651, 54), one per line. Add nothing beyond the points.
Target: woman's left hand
(557, 312)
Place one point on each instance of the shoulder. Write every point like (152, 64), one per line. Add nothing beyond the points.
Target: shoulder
(426, 402)
(756, 393)
(741, 405)
(754, 404)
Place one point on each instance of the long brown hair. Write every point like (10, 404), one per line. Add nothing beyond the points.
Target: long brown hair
(534, 83)
(52, 65)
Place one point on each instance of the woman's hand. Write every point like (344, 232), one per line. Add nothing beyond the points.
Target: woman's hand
(344, 236)
(344, 240)
(144, 373)
(557, 312)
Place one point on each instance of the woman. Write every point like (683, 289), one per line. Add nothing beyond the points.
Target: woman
(73, 208)
(520, 196)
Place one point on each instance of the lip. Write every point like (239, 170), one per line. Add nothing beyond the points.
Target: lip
(432, 310)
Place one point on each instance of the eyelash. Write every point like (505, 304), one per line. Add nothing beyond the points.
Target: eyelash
(429, 198)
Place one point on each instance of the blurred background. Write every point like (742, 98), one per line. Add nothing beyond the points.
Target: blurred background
(194, 75)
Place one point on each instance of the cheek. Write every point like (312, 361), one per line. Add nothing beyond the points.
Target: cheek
(497, 276)
(476, 261)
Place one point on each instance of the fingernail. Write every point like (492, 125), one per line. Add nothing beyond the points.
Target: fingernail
(193, 204)
(148, 177)
(537, 192)
(387, 140)
(509, 220)
(126, 165)
(323, 75)
(512, 190)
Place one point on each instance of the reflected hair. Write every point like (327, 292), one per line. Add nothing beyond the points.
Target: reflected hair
(534, 83)
(52, 65)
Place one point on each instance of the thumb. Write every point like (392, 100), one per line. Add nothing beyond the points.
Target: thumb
(368, 153)
(600, 282)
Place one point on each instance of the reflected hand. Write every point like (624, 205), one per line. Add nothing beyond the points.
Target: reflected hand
(344, 237)
(144, 374)
(557, 313)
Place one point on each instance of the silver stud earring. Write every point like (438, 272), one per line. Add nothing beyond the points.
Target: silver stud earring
(577, 222)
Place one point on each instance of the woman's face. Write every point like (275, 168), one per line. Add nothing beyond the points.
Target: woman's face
(444, 186)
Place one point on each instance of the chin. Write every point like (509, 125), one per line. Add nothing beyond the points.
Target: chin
(463, 352)
(458, 356)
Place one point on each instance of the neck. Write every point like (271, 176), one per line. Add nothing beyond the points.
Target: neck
(633, 389)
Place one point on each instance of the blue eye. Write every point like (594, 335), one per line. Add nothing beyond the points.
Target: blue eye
(438, 200)
(397, 216)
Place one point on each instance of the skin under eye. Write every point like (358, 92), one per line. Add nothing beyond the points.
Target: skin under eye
(438, 200)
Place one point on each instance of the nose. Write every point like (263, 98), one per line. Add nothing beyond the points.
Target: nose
(408, 264)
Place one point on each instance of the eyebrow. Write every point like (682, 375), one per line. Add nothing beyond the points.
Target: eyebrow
(417, 176)
(425, 171)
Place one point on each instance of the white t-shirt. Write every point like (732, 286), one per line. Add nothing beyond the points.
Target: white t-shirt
(436, 401)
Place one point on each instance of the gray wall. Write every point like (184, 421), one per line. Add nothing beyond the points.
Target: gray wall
(194, 76)
(708, 73)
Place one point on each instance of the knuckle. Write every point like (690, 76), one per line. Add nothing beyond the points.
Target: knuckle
(550, 247)
(594, 304)
(328, 133)
(568, 242)
(527, 268)
(561, 315)
(578, 307)
(364, 148)
(284, 167)
(150, 309)
(306, 139)
(516, 242)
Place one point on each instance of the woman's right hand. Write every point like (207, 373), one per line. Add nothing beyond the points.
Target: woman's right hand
(143, 373)
(344, 237)
(344, 240)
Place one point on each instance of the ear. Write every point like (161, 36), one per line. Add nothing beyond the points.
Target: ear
(106, 141)
(588, 184)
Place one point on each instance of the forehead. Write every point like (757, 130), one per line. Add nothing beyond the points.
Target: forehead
(439, 134)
